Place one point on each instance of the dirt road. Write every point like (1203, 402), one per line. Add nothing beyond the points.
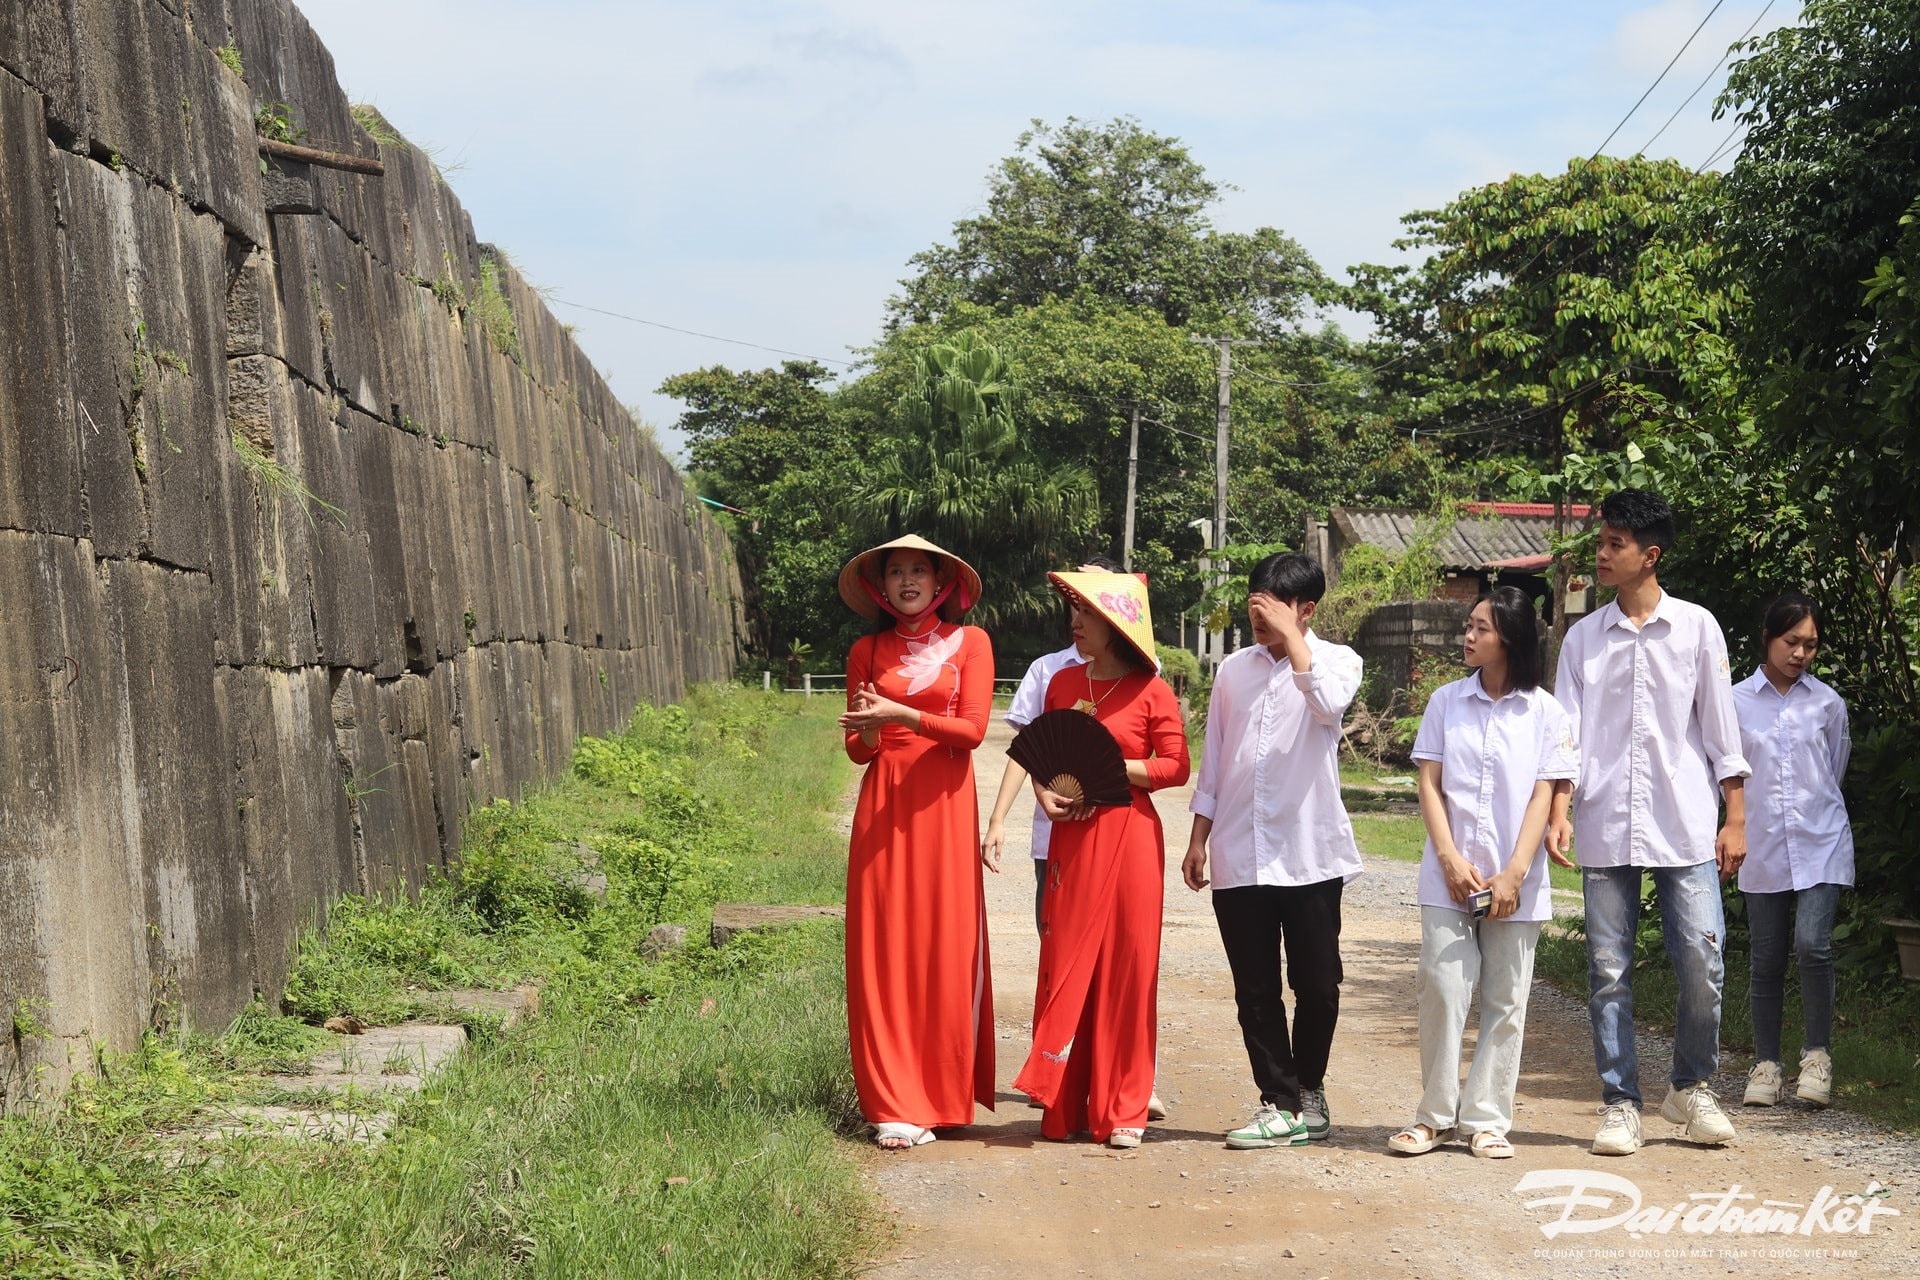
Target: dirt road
(998, 1200)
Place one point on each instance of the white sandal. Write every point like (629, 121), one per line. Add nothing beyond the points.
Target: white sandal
(897, 1135)
(1418, 1139)
(1125, 1139)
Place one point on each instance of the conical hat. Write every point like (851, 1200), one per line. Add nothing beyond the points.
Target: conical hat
(1120, 598)
(860, 579)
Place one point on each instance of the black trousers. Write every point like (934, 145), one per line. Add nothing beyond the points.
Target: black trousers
(1256, 923)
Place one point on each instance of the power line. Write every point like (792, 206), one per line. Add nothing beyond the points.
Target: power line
(711, 337)
(1705, 80)
(1657, 79)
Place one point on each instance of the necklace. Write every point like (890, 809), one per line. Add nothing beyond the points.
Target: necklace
(1091, 704)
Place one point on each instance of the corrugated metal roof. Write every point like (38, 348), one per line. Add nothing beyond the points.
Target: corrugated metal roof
(1476, 541)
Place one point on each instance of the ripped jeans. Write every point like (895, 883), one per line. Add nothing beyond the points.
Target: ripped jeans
(1694, 928)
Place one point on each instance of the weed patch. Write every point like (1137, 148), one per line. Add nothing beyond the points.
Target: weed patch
(678, 1115)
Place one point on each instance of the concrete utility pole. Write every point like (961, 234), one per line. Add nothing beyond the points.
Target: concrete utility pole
(1218, 641)
(1133, 477)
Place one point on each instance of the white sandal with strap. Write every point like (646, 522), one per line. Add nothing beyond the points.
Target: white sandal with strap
(1418, 1139)
(897, 1135)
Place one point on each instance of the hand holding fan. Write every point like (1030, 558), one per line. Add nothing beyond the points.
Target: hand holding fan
(1073, 755)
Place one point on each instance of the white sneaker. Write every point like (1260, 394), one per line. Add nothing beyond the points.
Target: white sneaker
(1156, 1109)
(1763, 1085)
(1698, 1109)
(1314, 1113)
(1620, 1132)
(1816, 1077)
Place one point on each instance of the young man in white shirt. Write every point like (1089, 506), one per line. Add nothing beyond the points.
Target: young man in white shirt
(1271, 831)
(1645, 680)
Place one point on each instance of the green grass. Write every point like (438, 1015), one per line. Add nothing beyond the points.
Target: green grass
(676, 1118)
(1876, 1036)
(1404, 839)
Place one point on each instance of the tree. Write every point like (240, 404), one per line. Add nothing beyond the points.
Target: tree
(781, 446)
(1591, 297)
(1117, 211)
(1820, 211)
(744, 429)
(952, 467)
(1556, 292)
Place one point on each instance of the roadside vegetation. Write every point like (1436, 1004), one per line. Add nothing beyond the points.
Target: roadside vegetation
(669, 1114)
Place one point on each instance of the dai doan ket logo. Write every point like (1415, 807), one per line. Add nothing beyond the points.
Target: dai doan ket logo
(1591, 1201)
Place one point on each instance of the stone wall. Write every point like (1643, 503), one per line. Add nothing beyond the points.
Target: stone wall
(1389, 638)
(311, 537)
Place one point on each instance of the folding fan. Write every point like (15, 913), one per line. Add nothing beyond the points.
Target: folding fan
(1073, 755)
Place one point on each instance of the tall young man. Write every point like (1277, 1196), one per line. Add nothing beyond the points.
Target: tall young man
(1269, 826)
(1646, 683)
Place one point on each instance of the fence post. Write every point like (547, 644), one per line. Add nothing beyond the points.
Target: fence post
(766, 681)
(806, 683)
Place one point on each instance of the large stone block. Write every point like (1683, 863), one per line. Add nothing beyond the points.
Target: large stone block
(200, 946)
(377, 518)
(72, 910)
(39, 468)
(144, 278)
(290, 803)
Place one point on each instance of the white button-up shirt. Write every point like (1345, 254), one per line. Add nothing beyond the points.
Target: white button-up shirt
(1270, 778)
(1652, 710)
(1797, 742)
(1491, 755)
(1029, 700)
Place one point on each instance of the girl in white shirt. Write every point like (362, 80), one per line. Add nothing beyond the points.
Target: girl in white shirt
(1793, 731)
(1490, 749)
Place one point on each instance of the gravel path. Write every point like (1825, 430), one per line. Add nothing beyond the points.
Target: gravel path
(996, 1199)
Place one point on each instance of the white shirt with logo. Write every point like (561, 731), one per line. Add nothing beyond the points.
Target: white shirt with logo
(1491, 754)
(1652, 710)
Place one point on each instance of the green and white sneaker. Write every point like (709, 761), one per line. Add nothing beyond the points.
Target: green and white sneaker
(1315, 1115)
(1269, 1127)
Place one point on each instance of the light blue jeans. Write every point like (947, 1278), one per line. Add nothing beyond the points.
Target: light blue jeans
(1694, 929)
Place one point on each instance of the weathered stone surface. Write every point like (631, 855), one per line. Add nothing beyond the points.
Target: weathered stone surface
(664, 939)
(300, 567)
(39, 471)
(292, 818)
(731, 919)
(200, 945)
(72, 906)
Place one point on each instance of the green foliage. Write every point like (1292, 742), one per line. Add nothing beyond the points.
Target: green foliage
(1818, 224)
(376, 126)
(229, 55)
(1116, 211)
(954, 468)
(1551, 306)
(489, 307)
(274, 479)
(1371, 576)
(275, 120)
(1178, 667)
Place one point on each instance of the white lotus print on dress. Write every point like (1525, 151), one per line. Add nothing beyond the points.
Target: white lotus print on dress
(927, 658)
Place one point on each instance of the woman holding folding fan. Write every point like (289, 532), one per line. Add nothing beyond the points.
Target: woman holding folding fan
(919, 991)
(1094, 1019)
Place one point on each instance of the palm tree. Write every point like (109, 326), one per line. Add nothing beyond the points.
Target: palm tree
(953, 468)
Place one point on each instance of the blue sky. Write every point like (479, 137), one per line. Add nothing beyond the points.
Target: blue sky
(763, 170)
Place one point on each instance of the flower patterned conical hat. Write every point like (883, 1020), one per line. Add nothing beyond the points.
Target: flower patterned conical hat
(1120, 598)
